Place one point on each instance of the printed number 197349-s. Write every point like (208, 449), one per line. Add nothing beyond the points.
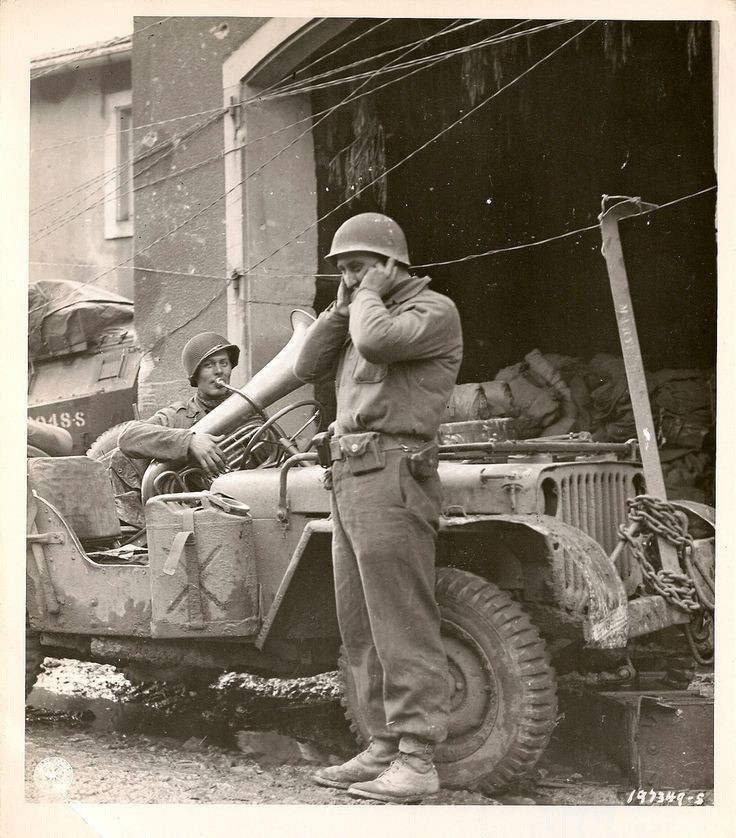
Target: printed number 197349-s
(652, 797)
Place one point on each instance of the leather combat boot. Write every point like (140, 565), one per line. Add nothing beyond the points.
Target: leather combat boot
(409, 779)
(367, 765)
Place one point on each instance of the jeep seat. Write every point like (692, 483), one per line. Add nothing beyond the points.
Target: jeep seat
(80, 490)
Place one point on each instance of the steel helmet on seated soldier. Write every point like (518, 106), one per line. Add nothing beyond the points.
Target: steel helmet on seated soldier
(200, 347)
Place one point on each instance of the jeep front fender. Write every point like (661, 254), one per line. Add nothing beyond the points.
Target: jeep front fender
(583, 583)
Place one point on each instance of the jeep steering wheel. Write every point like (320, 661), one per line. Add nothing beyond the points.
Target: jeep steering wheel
(287, 443)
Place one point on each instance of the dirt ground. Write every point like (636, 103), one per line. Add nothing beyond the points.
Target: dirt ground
(92, 737)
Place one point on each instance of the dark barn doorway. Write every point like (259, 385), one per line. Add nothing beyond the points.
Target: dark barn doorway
(626, 108)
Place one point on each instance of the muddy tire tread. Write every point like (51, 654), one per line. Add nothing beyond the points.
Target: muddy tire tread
(537, 718)
(105, 442)
(538, 704)
(34, 658)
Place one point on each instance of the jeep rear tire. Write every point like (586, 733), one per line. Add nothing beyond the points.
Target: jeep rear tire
(503, 702)
(106, 442)
(34, 657)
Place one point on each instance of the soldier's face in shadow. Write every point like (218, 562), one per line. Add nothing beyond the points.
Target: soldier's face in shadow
(353, 267)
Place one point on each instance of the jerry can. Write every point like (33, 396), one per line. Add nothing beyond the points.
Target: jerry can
(201, 566)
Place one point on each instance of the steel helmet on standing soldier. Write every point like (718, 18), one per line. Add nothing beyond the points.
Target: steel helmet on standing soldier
(370, 232)
(200, 347)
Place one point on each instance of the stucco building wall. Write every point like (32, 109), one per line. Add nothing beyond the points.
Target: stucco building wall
(68, 121)
(180, 201)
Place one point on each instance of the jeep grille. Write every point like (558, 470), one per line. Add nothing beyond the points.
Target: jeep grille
(593, 498)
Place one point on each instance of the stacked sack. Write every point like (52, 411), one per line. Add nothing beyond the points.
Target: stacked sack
(684, 414)
(531, 392)
(549, 395)
(613, 415)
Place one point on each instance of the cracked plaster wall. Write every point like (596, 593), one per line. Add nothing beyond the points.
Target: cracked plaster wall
(177, 71)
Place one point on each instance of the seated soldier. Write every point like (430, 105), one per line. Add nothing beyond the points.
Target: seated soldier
(167, 435)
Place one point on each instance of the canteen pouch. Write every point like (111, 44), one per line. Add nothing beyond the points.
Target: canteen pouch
(363, 452)
(424, 461)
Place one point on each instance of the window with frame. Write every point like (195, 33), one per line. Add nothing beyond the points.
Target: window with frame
(118, 175)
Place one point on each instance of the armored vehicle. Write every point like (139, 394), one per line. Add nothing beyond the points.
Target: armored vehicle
(84, 360)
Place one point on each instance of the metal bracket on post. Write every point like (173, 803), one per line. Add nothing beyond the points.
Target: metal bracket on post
(234, 110)
(635, 376)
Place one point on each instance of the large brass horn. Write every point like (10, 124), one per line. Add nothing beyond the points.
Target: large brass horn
(268, 385)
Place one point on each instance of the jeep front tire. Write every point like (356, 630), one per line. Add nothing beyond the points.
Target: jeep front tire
(503, 703)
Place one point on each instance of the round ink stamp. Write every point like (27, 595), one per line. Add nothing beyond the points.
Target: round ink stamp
(53, 776)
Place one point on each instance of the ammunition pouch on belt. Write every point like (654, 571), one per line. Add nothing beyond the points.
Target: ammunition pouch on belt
(365, 452)
(362, 452)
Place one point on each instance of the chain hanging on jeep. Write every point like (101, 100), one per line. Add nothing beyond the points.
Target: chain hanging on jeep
(650, 517)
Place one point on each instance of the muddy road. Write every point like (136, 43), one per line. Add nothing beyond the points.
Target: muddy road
(92, 736)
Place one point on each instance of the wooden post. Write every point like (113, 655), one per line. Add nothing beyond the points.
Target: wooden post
(645, 431)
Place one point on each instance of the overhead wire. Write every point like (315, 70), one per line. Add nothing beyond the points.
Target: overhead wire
(163, 149)
(534, 243)
(200, 311)
(537, 242)
(434, 264)
(270, 90)
(494, 251)
(338, 48)
(525, 245)
(356, 95)
(567, 234)
(68, 215)
(80, 56)
(469, 257)
(220, 155)
(224, 195)
(220, 109)
(424, 145)
(425, 39)
(285, 148)
(529, 244)
(207, 207)
(67, 193)
(90, 182)
(165, 144)
(166, 272)
(465, 48)
(327, 111)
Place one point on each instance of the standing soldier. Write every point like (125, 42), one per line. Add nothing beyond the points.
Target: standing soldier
(394, 348)
(167, 435)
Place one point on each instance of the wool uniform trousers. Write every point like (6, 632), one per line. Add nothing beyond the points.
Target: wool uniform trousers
(383, 545)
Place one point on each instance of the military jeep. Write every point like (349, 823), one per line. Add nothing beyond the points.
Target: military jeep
(546, 548)
(239, 576)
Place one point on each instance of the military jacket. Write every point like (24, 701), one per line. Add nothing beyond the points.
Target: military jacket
(395, 362)
(164, 436)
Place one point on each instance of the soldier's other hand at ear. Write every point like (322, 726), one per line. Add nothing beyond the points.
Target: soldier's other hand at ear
(380, 277)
